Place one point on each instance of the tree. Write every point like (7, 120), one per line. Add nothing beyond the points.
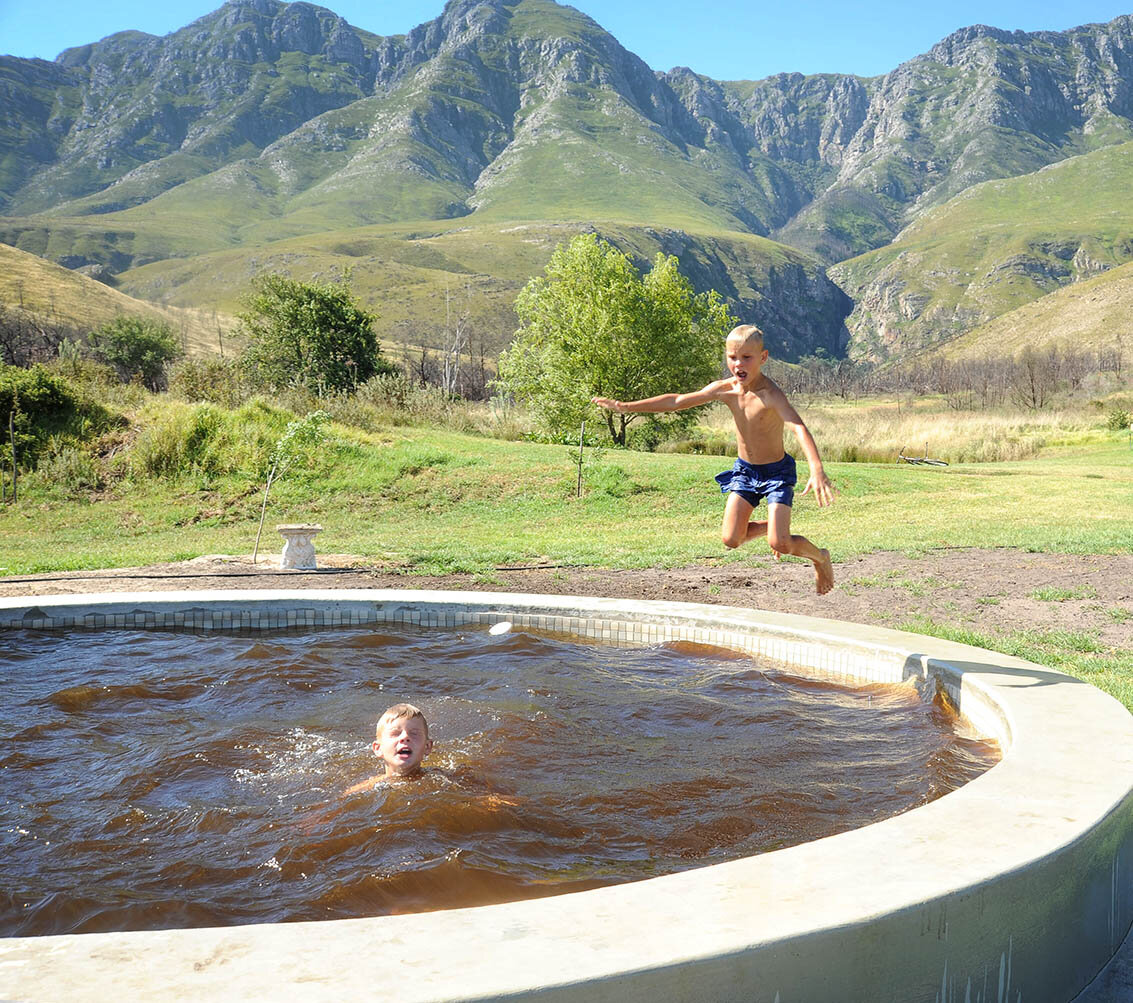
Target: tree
(27, 338)
(1035, 378)
(136, 348)
(592, 326)
(313, 334)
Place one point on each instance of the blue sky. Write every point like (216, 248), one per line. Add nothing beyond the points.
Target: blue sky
(725, 39)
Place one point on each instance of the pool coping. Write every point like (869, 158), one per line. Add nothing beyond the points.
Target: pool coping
(1014, 887)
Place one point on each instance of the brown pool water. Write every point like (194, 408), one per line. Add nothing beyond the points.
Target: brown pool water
(152, 780)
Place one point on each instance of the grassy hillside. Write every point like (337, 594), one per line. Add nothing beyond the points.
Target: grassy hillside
(61, 296)
(994, 248)
(419, 278)
(405, 272)
(517, 123)
(1092, 314)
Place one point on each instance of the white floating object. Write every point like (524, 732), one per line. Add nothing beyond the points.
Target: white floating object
(500, 628)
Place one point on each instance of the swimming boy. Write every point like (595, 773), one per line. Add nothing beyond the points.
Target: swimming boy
(764, 470)
(401, 742)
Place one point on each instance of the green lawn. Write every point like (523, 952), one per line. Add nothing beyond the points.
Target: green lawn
(436, 500)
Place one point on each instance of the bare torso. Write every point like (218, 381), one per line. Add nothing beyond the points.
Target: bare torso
(759, 425)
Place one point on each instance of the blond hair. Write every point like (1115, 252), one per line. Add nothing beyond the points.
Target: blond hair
(745, 333)
(396, 713)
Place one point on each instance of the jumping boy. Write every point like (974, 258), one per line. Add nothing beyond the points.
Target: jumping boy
(401, 742)
(763, 469)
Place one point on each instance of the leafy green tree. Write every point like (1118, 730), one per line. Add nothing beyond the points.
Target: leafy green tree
(136, 348)
(313, 334)
(591, 326)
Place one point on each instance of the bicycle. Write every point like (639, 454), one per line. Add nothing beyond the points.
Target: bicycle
(920, 461)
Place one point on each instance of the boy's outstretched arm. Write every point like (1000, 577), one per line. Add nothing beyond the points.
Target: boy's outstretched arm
(663, 402)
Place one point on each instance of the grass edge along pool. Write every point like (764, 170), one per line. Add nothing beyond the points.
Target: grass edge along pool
(1016, 886)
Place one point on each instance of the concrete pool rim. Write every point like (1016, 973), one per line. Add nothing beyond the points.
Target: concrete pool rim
(1014, 887)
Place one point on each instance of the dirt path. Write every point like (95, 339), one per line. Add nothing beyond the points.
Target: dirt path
(992, 591)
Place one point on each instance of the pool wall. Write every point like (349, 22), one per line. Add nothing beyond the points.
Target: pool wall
(1016, 887)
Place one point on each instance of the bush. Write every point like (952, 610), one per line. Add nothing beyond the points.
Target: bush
(137, 348)
(392, 399)
(68, 471)
(98, 383)
(41, 405)
(700, 446)
(1118, 419)
(182, 439)
(311, 335)
(212, 379)
(33, 394)
(27, 338)
(649, 436)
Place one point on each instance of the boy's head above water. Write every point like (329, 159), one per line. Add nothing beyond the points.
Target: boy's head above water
(402, 740)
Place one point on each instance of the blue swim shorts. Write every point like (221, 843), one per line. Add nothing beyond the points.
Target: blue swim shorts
(753, 481)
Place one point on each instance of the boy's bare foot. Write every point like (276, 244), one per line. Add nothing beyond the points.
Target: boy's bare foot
(823, 573)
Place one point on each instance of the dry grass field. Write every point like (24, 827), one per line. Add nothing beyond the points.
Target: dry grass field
(57, 295)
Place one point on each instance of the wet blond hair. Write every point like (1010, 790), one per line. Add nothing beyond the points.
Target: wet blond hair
(746, 333)
(396, 713)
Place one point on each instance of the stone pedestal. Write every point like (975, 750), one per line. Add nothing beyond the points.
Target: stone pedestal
(299, 548)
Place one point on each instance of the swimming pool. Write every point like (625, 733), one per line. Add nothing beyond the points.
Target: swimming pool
(1016, 886)
(161, 779)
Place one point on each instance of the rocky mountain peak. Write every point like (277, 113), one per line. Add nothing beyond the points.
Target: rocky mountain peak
(528, 106)
(957, 48)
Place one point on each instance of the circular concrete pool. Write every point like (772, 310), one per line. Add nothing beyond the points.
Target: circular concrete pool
(1014, 887)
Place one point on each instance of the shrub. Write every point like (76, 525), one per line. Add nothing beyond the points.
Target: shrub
(41, 405)
(27, 337)
(68, 471)
(137, 348)
(212, 379)
(98, 382)
(396, 400)
(1118, 419)
(700, 446)
(309, 334)
(33, 394)
(182, 439)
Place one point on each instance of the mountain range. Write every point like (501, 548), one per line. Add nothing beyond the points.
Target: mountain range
(872, 215)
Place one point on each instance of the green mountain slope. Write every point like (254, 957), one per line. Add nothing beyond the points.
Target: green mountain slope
(528, 110)
(982, 104)
(996, 247)
(220, 88)
(496, 113)
(414, 278)
(264, 124)
(1091, 315)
